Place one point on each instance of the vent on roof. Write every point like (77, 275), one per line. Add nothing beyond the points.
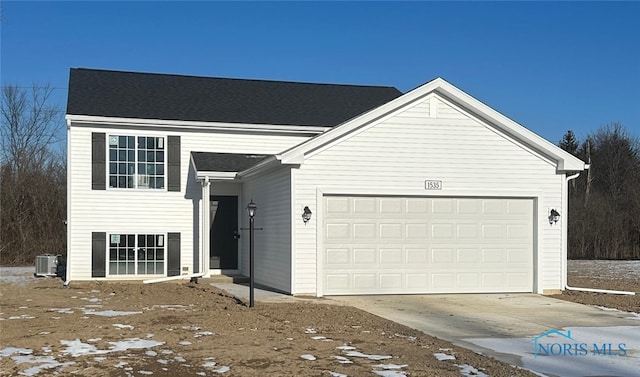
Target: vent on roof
(46, 265)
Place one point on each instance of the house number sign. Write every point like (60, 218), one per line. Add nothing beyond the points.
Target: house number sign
(432, 185)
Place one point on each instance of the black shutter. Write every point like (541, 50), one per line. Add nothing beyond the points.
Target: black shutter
(173, 254)
(98, 158)
(173, 163)
(98, 254)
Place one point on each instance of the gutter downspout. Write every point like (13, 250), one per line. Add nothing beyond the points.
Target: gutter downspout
(564, 245)
(204, 241)
(67, 270)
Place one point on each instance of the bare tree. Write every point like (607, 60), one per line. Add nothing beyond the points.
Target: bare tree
(32, 175)
(604, 205)
(29, 125)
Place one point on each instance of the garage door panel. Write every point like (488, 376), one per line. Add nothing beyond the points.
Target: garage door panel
(365, 256)
(391, 281)
(518, 256)
(427, 245)
(468, 256)
(393, 230)
(419, 231)
(467, 231)
(337, 205)
(338, 256)
(442, 231)
(468, 280)
(337, 282)
(364, 281)
(364, 230)
(337, 231)
(442, 256)
(469, 206)
(391, 206)
(417, 282)
(443, 206)
(391, 256)
(518, 232)
(365, 206)
(417, 256)
(519, 207)
(420, 206)
(493, 255)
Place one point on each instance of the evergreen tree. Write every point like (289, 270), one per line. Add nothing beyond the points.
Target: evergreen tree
(569, 143)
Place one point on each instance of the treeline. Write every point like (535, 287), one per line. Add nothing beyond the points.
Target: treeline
(32, 177)
(604, 201)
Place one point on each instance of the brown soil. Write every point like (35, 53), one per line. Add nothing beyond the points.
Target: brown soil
(621, 302)
(203, 329)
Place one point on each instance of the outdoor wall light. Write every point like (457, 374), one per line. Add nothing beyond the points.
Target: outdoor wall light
(306, 215)
(554, 216)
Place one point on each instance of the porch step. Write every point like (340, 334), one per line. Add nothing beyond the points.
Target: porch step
(238, 279)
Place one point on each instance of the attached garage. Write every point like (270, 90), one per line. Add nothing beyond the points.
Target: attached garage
(432, 192)
(393, 245)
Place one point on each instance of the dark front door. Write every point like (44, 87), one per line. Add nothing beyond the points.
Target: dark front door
(223, 241)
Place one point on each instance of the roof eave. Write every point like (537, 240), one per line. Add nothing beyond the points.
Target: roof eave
(73, 119)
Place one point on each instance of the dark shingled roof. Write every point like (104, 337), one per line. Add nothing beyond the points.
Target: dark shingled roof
(190, 98)
(225, 162)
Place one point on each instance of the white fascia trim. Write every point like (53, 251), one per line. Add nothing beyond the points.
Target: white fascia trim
(182, 124)
(265, 164)
(216, 175)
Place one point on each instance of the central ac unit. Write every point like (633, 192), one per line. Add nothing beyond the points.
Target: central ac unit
(46, 265)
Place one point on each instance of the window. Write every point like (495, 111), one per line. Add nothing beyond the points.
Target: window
(136, 254)
(136, 162)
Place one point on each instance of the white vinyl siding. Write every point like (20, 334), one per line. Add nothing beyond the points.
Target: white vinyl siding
(146, 211)
(272, 194)
(396, 155)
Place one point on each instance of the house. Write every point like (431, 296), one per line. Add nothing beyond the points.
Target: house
(429, 191)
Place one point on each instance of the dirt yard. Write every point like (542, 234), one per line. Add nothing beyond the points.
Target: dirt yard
(185, 329)
(620, 276)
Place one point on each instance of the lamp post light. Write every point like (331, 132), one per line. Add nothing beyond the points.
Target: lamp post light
(251, 208)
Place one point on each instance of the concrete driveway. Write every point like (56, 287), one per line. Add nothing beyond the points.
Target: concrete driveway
(546, 335)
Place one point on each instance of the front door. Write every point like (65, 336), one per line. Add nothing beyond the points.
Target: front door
(223, 241)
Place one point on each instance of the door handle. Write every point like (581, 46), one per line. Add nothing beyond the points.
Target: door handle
(236, 235)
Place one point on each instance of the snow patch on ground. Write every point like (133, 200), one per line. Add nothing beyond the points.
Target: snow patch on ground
(366, 356)
(443, 356)
(17, 275)
(467, 371)
(109, 313)
(121, 326)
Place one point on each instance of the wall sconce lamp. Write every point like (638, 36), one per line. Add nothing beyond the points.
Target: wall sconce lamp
(306, 215)
(554, 216)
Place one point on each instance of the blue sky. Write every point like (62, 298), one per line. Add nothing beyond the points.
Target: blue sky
(550, 66)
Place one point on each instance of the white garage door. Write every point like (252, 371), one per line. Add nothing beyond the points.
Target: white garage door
(386, 245)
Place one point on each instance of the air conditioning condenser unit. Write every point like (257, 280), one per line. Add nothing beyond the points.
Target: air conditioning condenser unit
(46, 265)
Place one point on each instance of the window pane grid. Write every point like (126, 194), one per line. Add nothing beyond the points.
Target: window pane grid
(136, 162)
(131, 254)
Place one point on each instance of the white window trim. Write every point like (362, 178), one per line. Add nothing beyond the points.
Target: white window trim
(136, 276)
(136, 175)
